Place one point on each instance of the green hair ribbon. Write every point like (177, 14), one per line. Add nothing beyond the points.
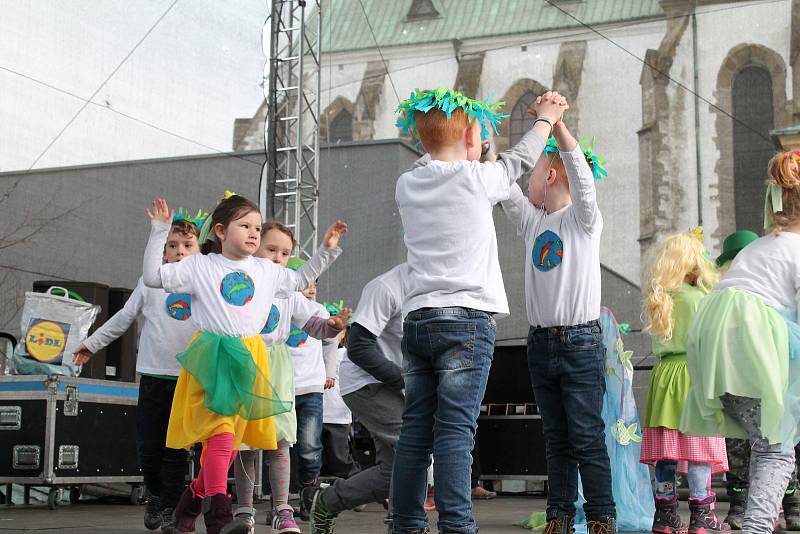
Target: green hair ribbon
(773, 202)
(334, 308)
(596, 161)
(448, 100)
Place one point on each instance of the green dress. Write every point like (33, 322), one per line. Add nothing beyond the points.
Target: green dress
(669, 380)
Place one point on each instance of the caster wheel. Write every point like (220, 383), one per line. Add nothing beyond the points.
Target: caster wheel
(53, 497)
(74, 495)
(137, 495)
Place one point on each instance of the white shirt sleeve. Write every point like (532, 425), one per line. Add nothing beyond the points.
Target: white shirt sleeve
(290, 281)
(581, 189)
(499, 176)
(519, 210)
(119, 323)
(376, 307)
(154, 253)
(304, 309)
(180, 277)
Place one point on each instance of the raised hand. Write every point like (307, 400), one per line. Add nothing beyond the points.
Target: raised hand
(81, 355)
(161, 211)
(334, 234)
(550, 105)
(340, 320)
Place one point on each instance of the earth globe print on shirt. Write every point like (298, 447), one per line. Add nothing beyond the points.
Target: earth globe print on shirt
(237, 288)
(179, 306)
(297, 337)
(548, 251)
(272, 321)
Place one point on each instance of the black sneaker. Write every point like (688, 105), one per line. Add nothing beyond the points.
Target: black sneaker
(306, 498)
(167, 519)
(152, 513)
(322, 519)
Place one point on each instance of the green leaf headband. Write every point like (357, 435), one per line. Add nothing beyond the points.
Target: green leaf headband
(295, 263)
(197, 220)
(448, 100)
(334, 308)
(596, 161)
(205, 230)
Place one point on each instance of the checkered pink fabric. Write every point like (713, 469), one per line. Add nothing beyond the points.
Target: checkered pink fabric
(670, 444)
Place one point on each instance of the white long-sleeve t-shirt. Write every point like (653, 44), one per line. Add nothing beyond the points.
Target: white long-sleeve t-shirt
(229, 297)
(167, 328)
(562, 250)
(446, 208)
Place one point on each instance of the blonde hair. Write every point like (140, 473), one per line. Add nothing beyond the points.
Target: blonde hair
(671, 262)
(784, 170)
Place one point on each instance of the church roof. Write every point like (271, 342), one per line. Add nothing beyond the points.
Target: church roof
(409, 22)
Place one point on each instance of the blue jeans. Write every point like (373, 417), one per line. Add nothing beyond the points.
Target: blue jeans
(309, 437)
(567, 367)
(447, 353)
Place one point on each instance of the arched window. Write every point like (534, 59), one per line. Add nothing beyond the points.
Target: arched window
(753, 109)
(520, 121)
(341, 128)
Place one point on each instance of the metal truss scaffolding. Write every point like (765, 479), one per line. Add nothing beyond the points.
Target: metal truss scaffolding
(290, 178)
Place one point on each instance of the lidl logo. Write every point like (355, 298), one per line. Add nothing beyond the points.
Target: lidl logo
(46, 340)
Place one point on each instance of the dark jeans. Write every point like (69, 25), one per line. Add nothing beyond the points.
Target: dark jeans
(475, 477)
(567, 366)
(308, 448)
(337, 459)
(164, 469)
(447, 353)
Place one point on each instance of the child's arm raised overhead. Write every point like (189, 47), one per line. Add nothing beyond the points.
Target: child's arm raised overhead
(290, 281)
(518, 160)
(113, 328)
(581, 180)
(160, 221)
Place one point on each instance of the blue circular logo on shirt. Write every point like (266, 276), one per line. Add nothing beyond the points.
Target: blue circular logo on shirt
(297, 337)
(179, 306)
(272, 320)
(237, 288)
(548, 251)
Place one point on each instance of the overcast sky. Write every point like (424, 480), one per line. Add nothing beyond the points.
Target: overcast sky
(178, 93)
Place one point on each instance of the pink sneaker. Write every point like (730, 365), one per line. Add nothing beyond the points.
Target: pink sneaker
(283, 520)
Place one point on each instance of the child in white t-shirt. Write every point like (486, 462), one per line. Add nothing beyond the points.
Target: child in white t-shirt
(337, 419)
(455, 288)
(561, 225)
(224, 396)
(166, 330)
(277, 245)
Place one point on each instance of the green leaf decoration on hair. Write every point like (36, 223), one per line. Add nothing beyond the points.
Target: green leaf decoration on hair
(334, 308)
(596, 161)
(295, 263)
(197, 220)
(448, 100)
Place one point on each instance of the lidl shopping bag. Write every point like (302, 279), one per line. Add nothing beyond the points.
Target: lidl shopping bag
(52, 327)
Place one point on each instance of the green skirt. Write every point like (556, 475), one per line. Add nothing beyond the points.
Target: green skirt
(281, 368)
(738, 345)
(669, 387)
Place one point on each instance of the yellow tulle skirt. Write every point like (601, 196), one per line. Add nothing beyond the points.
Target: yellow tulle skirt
(192, 422)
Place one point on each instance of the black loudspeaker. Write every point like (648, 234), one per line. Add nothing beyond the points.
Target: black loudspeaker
(95, 294)
(121, 353)
(510, 440)
(509, 379)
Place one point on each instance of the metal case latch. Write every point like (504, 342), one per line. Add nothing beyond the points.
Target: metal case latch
(71, 401)
(68, 456)
(26, 457)
(10, 417)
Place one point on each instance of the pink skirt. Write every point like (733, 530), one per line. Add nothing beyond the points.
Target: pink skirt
(669, 444)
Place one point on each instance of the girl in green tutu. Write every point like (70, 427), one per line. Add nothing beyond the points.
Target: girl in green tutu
(743, 347)
(678, 278)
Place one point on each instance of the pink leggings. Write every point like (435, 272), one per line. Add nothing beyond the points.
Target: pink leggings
(216, 460)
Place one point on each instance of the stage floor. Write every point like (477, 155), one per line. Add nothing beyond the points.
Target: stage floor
(494, 517)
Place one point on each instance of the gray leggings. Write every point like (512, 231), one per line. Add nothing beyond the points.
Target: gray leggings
(770, 468)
